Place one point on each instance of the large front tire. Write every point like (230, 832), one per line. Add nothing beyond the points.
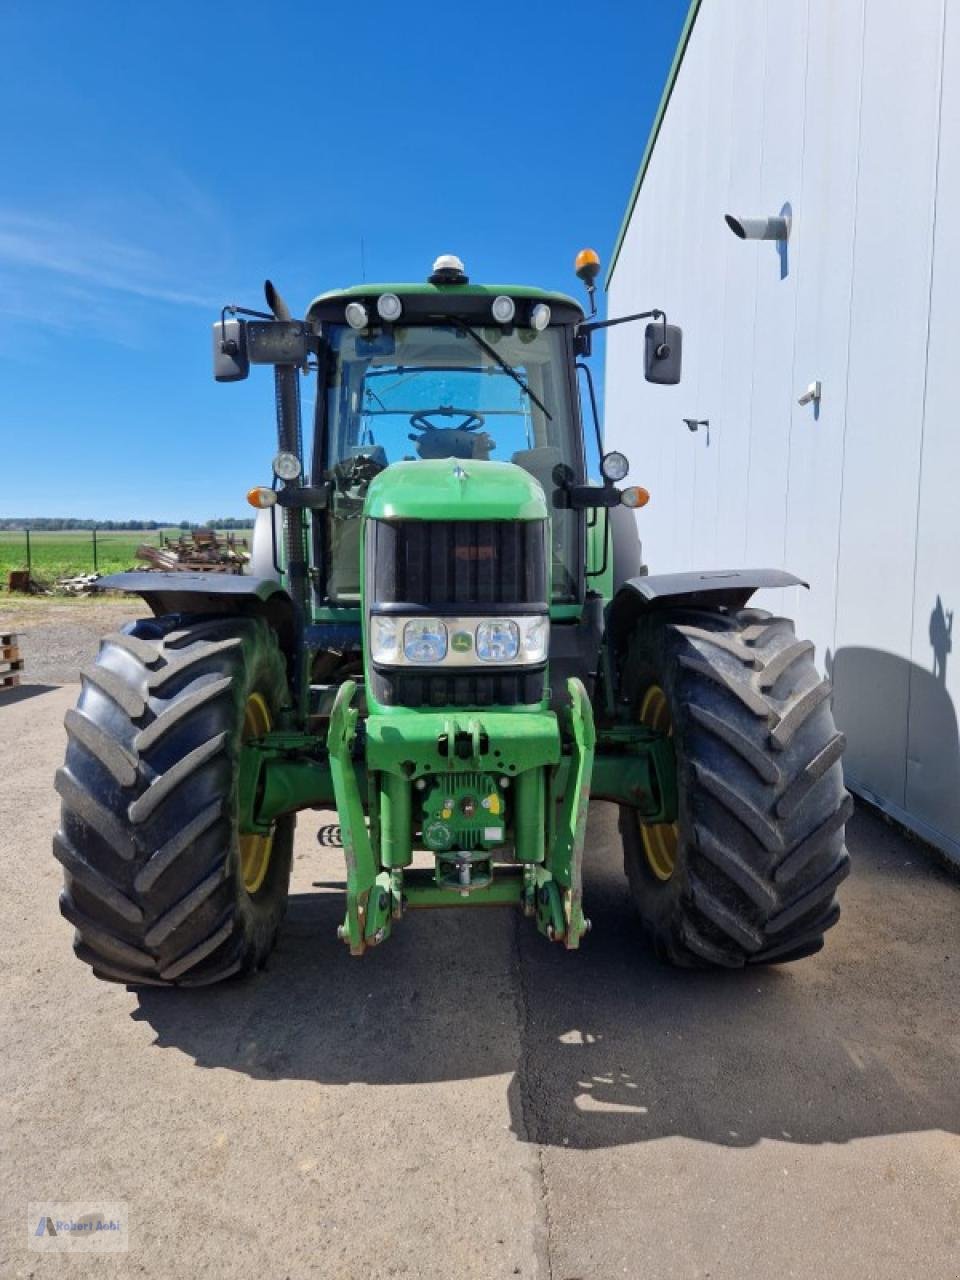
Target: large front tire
(158, 883)
(748, 873)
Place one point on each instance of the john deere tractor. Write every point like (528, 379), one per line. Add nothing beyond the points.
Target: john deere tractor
(450, 637)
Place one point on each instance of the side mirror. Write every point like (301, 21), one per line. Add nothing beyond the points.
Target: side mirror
(662, 353)
(231, 363)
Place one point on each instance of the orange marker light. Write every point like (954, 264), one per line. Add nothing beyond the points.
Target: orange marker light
(261, 497)
(587, 265)
(634, 497)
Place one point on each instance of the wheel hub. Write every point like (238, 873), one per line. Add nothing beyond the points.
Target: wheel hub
(255, 849)
(660, 840)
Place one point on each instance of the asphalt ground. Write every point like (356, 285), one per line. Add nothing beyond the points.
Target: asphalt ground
(469, 1101)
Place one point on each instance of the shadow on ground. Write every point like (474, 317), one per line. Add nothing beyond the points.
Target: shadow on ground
(606, 1046)
(21, 692)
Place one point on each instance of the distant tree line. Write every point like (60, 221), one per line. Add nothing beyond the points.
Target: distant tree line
(56, 523)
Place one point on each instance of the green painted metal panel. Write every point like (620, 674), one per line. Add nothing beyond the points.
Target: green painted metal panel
(407, 742)
(450, 489)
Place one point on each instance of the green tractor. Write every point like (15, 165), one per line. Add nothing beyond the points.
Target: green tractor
(450, 637)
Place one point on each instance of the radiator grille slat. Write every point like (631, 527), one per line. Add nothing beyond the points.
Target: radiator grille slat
(457, 562)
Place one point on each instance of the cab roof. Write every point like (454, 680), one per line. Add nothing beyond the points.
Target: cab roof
(433, 301)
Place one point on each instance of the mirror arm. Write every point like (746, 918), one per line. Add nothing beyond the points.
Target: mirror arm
(655, 314)
(590, 326)
(232, 309)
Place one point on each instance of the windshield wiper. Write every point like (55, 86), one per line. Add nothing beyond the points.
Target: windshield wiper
(498, 359)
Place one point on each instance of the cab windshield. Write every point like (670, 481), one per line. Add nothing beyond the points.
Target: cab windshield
(434, 392)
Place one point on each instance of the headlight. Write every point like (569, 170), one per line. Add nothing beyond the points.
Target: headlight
(383, 639)
(356, 315)
(614, 466)
(498, 640)
(536, 638)
(520, 641)
(503, 308)
(425, 640)
(286, 465)
(540, 317)
(389, 307)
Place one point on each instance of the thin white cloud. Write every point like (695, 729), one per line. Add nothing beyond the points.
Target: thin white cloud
(52, 252)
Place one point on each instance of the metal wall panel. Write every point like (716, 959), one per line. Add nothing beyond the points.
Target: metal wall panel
(700, 400)
(823, 238)
(933, 756)
(730, 415)
(885, 386)
(851, 115)
(778, 265)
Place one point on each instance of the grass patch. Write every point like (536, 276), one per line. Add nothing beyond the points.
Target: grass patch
(66, 553)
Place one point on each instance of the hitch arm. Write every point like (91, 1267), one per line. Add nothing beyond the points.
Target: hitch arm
(369, 895)
(566, 857)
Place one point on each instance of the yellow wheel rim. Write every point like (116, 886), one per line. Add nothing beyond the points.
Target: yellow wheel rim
(255, 849)
(659, 841)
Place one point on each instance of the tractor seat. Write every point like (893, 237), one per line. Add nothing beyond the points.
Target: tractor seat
(375, 452)
(540, 464)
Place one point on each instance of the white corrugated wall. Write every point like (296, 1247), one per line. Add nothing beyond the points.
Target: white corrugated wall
(849, 114)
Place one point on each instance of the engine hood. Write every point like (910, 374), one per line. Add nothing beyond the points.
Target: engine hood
(455, 489)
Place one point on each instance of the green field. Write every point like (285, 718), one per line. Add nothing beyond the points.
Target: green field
(66, 552)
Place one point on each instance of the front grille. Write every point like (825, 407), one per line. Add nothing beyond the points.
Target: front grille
(401, 687)
(457, 565)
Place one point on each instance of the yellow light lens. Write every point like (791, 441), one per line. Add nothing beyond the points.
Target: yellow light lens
(635, 496)
(261, 497)
(587, 264)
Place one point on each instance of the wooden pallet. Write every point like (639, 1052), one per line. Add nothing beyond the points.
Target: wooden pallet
(11, 664)
(10, 675)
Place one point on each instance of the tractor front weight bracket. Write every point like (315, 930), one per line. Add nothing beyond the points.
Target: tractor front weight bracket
(369, 893)
(491, 756)
(500, 798)
(566, 857)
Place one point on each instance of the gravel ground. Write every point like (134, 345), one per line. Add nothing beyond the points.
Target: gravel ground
(58, 636)
(470, 1102)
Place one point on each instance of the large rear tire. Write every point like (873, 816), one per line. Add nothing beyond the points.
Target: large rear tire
(158, 883)
(748, 873)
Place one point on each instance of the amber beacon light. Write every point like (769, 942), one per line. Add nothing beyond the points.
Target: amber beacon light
(587, 266)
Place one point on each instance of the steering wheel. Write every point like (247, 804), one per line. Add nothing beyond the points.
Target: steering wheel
(471, 420)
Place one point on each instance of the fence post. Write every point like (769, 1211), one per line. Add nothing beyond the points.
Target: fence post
(29, 560)
(95, 551)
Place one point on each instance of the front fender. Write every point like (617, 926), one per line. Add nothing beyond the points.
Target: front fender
(213, 593)
(710, 588)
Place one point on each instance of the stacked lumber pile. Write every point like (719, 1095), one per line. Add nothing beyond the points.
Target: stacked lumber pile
(11, 664)
(200, 551)
(80, 585)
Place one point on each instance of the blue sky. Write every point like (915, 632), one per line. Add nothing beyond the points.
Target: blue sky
(159, 160)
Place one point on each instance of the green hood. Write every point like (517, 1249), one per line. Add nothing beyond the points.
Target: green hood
(451, 489)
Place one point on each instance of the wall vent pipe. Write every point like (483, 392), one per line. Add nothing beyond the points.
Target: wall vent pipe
(777, 228)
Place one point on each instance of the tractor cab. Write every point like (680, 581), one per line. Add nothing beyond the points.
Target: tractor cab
(445, 370)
